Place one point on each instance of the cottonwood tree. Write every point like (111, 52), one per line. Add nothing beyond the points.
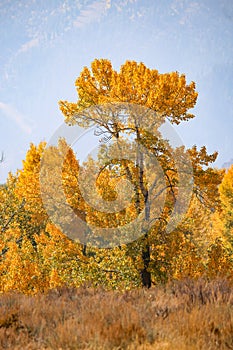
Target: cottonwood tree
(129, 108)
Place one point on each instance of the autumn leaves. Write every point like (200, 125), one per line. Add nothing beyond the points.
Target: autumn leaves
(124, 198)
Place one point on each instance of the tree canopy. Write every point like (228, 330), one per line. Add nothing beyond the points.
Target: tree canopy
(143, 210)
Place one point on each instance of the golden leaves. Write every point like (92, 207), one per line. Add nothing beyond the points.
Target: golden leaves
(167, 94)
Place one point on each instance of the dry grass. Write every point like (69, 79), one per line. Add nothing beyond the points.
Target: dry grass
(184, 315)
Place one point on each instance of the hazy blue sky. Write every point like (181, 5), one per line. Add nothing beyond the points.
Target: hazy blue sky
(45, 44)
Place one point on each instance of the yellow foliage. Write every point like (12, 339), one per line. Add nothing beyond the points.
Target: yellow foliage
(167, 94)
(226, 196)
(36, 252)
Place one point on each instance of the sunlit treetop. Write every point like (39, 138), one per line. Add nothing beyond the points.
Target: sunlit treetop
(167, 94)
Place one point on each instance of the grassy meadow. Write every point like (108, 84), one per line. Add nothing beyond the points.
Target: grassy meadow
(183, 315)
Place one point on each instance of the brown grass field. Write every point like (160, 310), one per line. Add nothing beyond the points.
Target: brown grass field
(180, 315)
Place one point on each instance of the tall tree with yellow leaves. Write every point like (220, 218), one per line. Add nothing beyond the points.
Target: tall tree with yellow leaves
(132, 105)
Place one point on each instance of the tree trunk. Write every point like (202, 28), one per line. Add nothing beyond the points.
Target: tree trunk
(145, 274)
(146, 278)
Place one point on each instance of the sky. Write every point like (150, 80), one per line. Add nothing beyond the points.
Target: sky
(46, 44)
